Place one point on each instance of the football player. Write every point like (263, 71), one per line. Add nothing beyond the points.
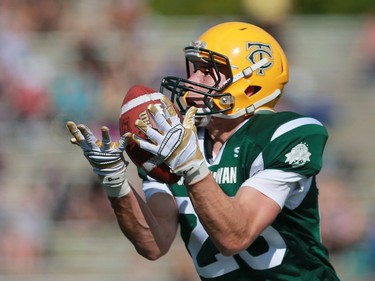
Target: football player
(247, 204)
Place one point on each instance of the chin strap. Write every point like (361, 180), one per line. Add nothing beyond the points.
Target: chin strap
(252, 108)
(249, 70)
(262, 102)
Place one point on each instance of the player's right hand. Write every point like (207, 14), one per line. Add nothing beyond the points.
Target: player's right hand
(106, 157)
(175, 142)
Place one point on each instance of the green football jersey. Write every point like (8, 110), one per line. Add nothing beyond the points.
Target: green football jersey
(290, 248)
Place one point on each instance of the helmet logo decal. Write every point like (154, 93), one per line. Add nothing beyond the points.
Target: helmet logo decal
(259, 51)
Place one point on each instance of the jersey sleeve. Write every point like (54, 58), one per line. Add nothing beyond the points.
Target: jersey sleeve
(275, 184)
(296, 146)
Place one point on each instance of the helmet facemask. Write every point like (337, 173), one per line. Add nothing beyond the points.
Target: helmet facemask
(213, 95)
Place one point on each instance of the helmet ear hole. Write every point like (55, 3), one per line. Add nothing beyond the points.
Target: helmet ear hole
(252, 90)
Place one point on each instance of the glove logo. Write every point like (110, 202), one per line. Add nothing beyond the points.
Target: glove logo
(113, 179)
(171, 141)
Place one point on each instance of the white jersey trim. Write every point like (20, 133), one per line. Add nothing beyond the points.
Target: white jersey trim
(277, 185)
(294, 124)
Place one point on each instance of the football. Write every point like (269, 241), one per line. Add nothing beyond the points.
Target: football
(134, 106)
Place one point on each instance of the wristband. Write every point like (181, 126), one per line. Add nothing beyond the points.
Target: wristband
(116, 185)
(192, 173)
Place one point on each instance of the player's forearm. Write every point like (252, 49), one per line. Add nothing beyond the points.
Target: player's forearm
(139, 225)
(220, 216)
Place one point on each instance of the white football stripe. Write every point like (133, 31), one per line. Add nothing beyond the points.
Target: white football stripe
(140, 100)
(294, 124)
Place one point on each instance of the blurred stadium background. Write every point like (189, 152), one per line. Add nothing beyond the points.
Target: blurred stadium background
(62, 60)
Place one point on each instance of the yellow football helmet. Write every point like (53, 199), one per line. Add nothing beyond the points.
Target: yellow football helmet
(251, 58)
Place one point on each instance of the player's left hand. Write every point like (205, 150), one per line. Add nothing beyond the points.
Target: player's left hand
(174, 142)
(106, 157)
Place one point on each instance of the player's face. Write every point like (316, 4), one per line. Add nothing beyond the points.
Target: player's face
(204, 74)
